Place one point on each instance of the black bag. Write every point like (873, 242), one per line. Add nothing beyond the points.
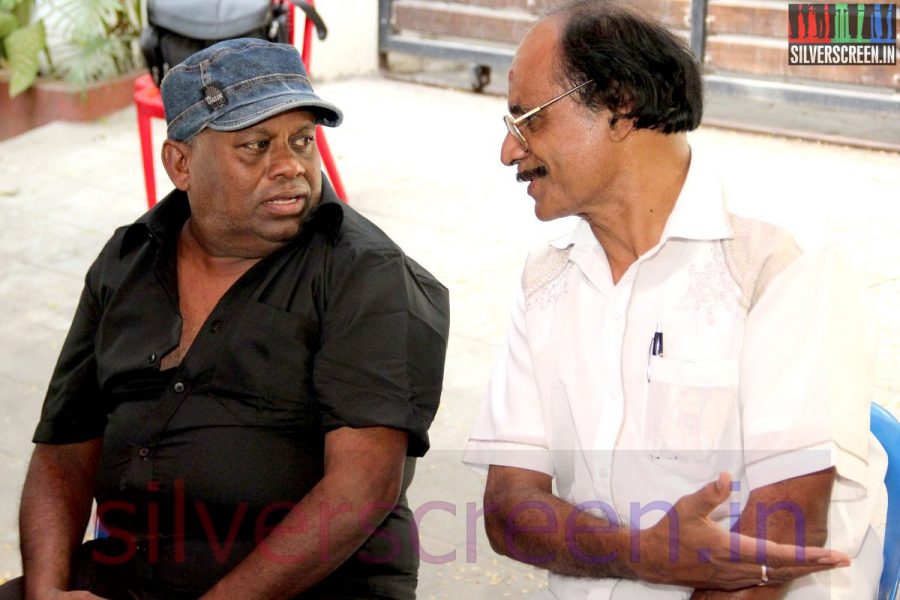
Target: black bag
(178, 28)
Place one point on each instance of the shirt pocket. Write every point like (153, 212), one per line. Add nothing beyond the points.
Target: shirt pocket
(690, 414)
(268, 361)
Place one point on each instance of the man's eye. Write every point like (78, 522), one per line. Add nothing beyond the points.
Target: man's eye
(305, 142)
(257, 145)
(531, 123)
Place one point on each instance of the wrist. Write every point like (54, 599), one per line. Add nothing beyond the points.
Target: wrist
(43, 593)
(647, 554)
(631, 548)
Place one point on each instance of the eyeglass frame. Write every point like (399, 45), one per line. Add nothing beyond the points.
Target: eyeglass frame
(512, 124)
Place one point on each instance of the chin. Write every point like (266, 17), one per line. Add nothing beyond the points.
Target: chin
(546, 213)
(281, 233)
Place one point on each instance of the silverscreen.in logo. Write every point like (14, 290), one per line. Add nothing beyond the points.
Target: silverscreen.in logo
(842, 34)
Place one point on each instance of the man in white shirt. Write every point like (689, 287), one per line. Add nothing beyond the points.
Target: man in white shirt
(678, 381)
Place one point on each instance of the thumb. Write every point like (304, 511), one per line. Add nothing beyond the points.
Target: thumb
(703, 501)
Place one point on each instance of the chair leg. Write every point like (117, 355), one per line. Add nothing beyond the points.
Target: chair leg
(147, 155)
(330, 166)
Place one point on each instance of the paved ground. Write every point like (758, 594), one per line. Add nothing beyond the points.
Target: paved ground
(423, 163)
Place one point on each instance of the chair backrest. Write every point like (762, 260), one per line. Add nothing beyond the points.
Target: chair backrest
(887, 429)
(178, 28)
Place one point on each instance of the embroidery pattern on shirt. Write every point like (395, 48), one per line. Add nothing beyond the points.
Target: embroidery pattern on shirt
(710, 289)
(544, 280)
(756, 254)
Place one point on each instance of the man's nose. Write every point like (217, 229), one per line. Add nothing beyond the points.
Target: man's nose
(511, 152)
(285, 162)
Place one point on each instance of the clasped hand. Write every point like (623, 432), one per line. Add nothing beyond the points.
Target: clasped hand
(688, 548)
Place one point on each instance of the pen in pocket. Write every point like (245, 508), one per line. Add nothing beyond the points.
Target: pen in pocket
(656, 347)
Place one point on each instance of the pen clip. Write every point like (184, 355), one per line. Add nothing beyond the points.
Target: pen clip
(656, 347)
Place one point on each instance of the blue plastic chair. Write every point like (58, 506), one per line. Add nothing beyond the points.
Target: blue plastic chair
(887, 429)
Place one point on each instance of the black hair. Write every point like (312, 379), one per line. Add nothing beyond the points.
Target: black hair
(640, 71)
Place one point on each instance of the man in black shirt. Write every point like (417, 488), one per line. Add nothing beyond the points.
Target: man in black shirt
(250, 373)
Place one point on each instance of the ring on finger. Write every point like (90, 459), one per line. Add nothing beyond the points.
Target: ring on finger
(763, 575)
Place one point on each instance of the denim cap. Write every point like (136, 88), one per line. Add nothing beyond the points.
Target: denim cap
(237, 83)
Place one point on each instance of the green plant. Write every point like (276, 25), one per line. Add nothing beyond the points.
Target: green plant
(22, 42)
(99, 38)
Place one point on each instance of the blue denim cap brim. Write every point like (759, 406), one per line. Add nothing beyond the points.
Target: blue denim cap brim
(257, 80)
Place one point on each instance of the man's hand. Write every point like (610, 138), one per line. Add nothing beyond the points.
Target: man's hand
(363, 476)
(791, 510)
(687, 548)
(526, 522)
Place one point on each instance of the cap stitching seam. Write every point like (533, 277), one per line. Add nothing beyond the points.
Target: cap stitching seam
(269, 110)
(237, 86)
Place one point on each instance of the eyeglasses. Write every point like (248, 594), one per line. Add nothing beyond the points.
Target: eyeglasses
(512, 124)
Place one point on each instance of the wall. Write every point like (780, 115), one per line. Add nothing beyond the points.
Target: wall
(351, 47)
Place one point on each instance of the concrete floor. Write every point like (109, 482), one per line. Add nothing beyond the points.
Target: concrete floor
(423, 163)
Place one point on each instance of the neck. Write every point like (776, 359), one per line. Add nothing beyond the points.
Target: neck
(191, 249)
(634, 211)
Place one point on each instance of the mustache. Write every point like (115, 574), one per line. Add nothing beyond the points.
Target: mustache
(530, 174)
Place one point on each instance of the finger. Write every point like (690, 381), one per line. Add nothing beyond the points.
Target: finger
(746, 575)
(703, 501)
(762, 551)
(780, 575)
(727, 577)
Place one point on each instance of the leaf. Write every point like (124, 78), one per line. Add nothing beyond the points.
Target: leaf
(8, 5)
(133, 12)
(23, 10)
(100, 38)
(8, 23)
(22, 47)
(82, 19)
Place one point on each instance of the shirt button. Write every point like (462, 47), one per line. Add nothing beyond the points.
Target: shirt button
(603, 472)
(179, 387)
(151, 359)
(144, 452)
(215, 326)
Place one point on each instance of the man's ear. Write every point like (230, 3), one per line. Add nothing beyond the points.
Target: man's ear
(176, 158)
(619, 126)
(619, 129)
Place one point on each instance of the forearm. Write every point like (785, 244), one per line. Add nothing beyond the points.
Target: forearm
(319, 534)
(55, 508)
(363, 475)
(527, 523)
(540, 529)
(543, 530)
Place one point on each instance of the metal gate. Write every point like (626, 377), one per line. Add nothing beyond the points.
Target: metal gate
(742, 44)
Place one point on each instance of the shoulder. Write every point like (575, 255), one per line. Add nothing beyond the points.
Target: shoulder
(357, 235)
(364, 249)
(129, 244)
(756, 254)
(544, 264)
(116, 256)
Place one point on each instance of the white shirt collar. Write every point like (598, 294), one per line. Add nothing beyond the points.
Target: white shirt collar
(699, 212)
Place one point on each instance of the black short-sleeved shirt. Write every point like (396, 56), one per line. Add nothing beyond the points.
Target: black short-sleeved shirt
(337, 328)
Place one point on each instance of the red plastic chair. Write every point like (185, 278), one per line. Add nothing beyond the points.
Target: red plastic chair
(148, 102)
